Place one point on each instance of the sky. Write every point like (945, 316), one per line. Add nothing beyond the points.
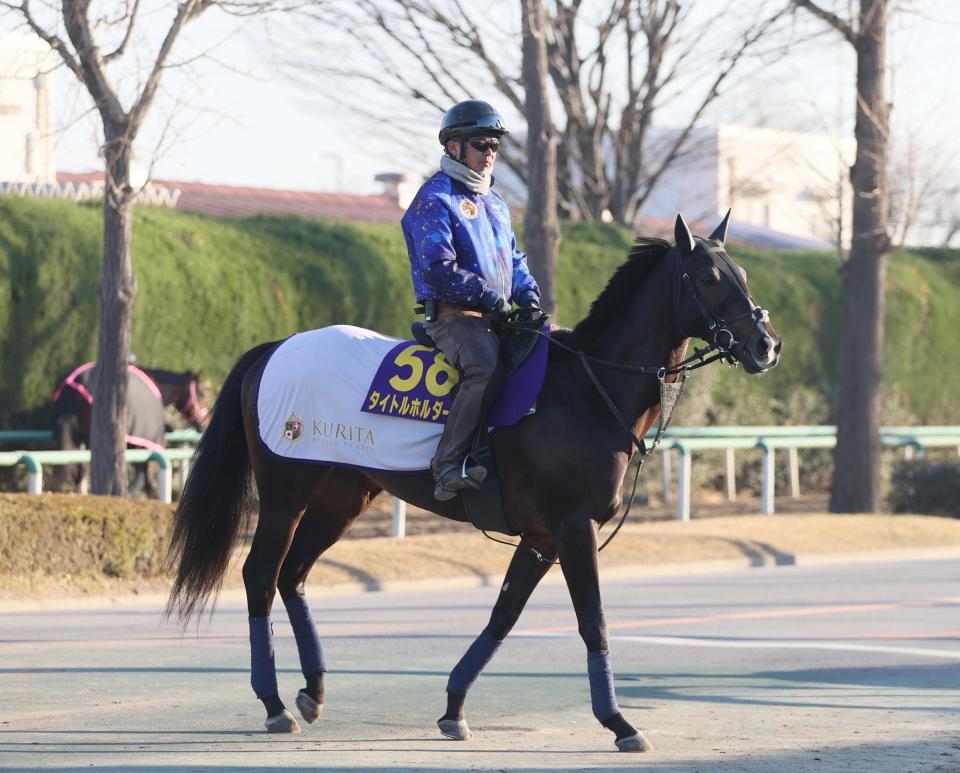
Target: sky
(239, 118)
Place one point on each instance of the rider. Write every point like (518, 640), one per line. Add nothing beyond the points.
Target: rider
(466, 270)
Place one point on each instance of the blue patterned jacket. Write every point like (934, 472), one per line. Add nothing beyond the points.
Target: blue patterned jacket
(462, 247)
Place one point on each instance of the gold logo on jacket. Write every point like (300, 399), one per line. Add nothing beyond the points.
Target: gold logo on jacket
(468, 208)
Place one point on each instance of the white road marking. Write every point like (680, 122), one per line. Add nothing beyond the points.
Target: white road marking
(786, 644)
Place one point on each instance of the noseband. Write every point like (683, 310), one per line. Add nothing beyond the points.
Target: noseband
(190, 407)
(723, 338)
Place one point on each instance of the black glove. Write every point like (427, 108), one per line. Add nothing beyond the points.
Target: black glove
(529, 309)
(502, 308)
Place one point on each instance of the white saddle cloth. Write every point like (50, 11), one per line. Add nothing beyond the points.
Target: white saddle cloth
(310, 399)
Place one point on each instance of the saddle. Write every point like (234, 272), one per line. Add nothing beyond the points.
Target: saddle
(518, 339)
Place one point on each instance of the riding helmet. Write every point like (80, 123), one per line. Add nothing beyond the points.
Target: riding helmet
(471, 118)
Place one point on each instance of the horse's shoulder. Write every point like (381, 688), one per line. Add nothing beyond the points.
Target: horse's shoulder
(565, 337)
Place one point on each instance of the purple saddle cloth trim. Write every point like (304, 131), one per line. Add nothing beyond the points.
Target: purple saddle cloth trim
(520, 388)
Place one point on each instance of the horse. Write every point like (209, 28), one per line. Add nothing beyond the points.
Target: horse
(562, 471)
(148, 391)
(72, 407)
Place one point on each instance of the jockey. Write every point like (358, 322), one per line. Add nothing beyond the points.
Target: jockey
(466, 270)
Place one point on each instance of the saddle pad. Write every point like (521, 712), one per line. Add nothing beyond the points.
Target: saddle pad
(316, 385)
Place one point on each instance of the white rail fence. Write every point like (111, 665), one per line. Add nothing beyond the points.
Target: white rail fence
(685, 441)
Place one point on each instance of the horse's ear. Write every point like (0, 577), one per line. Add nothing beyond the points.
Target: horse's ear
(720, 232)
(683, 237)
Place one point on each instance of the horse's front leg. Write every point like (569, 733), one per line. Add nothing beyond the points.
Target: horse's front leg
(577, 547)
(525, 571)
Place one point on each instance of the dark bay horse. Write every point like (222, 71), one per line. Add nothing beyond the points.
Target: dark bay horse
(148, 391)
(561, 468)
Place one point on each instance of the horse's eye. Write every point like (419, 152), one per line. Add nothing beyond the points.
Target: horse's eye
(710, 277)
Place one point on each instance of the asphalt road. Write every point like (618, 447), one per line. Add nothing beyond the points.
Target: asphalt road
(787, 669)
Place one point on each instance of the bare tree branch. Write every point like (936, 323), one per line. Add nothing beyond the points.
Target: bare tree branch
(830, 18)
(186, 11)
(48, 37)
(119, 50)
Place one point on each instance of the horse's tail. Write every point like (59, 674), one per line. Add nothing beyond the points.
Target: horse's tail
(215, 502)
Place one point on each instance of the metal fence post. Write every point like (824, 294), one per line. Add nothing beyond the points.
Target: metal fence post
(794, 472)
(34, 474)
(683, 482)
(399, 518)
(769, 480)
(731, 475)
(165, 494)
(665, 457)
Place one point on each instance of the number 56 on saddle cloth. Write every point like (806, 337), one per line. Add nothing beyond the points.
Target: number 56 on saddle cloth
(349, 396)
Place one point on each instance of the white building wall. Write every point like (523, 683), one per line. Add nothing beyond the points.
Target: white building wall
(791, 182)
(26, 105)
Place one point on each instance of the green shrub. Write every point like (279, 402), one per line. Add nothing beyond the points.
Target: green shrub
(82, 536)
(209, 289)
(928, 486)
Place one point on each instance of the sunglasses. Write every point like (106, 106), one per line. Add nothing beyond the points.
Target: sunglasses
(485, 145)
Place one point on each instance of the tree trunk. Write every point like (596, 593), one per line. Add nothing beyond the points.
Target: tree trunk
(541, 232)
(856, 478)
(118, 286)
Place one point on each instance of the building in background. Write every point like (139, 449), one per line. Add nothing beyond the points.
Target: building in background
(242, 201)
(26, 109)
(776, 181)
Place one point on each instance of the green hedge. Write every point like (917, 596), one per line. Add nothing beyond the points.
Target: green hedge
(82, 536)
(929, 486)
(208, 289)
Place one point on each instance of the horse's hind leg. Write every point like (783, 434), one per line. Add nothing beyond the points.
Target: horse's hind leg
(281, 508)
(526, 570)
(333, 508)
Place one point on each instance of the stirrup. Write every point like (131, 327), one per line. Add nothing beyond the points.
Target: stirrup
(454, 480)
(471, 469)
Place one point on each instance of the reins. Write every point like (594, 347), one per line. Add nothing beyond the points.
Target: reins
(669, 397)
(723, 342)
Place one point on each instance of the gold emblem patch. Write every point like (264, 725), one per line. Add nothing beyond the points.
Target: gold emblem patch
(293, 427)
(468, 208)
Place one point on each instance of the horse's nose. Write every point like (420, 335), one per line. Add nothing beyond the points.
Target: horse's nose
(767, 350)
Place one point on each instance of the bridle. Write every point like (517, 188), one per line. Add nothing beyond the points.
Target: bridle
(723, 337)
(189, 406)
(721, 347)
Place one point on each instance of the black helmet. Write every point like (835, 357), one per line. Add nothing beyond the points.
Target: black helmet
(470, 119)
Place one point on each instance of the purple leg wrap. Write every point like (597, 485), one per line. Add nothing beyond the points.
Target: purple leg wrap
(602, 694)
(465, 673)
(308, 642)
(263, 671)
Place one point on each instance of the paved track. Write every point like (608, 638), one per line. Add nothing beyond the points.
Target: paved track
(790, 669)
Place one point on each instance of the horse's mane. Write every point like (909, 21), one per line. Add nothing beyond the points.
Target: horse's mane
(609, 305)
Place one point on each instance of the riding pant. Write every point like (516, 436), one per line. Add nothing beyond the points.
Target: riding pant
(467, 340)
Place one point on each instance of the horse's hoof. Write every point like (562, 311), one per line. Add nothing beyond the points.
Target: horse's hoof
(309, 709)
(634, 743)
(283, 722)
(455, 728)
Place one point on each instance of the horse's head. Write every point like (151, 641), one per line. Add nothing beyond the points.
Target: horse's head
(190, 402)
(715, 303)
